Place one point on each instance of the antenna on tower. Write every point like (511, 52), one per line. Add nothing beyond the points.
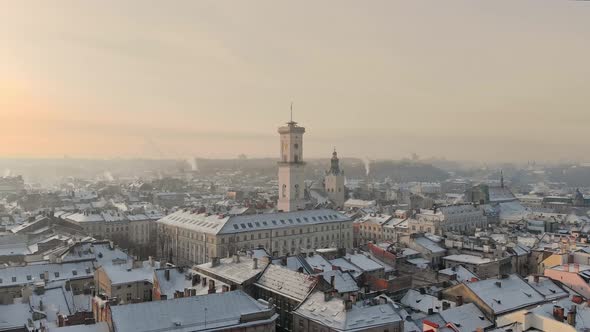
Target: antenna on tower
(291, 111)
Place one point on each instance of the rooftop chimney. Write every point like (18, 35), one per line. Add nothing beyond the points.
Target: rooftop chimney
(348, 305)
(215, 261)
(167, 274)
(536, 278)
(332, 281)
(459, 300)
(571, 318)
(255, 263)
(558, 313)
(196, 279)
(211, 286)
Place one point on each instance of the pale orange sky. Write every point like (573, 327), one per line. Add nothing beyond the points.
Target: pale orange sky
(475, 80)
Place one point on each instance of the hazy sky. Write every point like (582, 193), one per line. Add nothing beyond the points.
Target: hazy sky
(477, 80)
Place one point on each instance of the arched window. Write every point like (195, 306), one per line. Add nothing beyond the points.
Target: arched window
(284, 193)
(296, 191)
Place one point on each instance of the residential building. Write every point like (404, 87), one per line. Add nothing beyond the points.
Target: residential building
(175, 282)
(126, 283)
(13, 279)
(286, 290)
(239, 272)
(481, 266)
(230, 311)
(500, 296)
(326, 312)
(439, 220)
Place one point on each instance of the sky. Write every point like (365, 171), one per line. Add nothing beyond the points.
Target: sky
(465, 80)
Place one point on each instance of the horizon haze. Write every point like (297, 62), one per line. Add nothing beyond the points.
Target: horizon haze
(479, 81)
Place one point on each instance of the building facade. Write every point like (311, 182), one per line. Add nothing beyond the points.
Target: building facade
(186, 237)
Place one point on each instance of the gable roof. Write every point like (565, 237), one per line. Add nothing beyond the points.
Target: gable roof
(505, 295)
(362, 316)
(293, 285)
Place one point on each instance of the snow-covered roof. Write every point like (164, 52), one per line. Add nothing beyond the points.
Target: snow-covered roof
(364, 262)
(291, 284)
(508, 294)
(345, 265)
(225, 224)
(362, 316)
(318, 262)
(423, 302)
(429, 245)
(102, 252)
(548, 288)
(467, 259)
(124, 274)
(343, 281)
(179, 279)
(463, 275)
(582, 311)
(237, 272)
(466, 317)
(14, 315)
(29, 274)
(219, 311)
(419, 262)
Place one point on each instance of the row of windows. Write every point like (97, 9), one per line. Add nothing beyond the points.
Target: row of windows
(42, 275)
(284, 222)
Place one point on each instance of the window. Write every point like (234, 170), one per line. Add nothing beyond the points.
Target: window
(29, 277)
(56, 274)
(75, 272)
(13, 279)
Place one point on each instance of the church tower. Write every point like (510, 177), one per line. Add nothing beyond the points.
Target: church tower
(291, 166)
(334, 182)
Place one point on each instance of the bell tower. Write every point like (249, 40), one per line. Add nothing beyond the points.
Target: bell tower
(334, 182)
(291, 167)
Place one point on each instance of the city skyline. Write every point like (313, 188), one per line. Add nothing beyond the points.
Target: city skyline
(495, 82)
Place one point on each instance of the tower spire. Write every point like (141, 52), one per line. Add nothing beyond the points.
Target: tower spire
(291, 112)
(502, 178)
